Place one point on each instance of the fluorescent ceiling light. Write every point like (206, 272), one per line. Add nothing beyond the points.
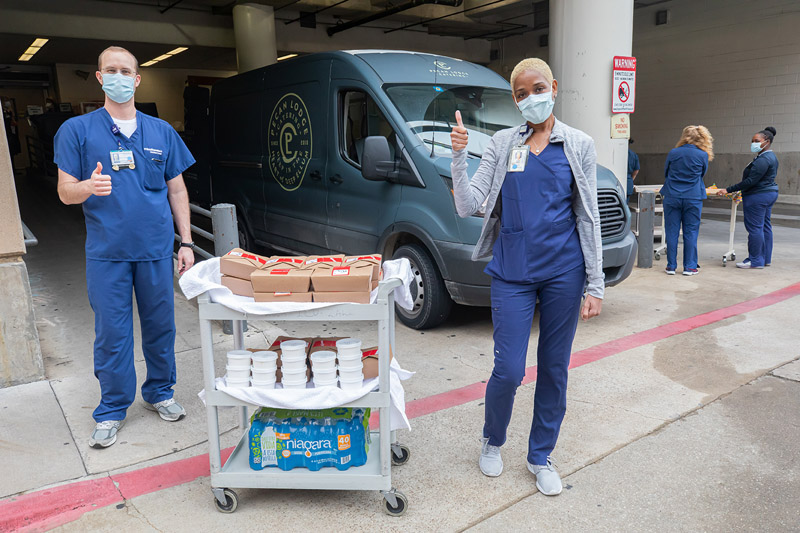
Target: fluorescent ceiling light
(151, 62)
(162, 58)
(177, 51)
(165, 56)
(287, 56)
(35, 46)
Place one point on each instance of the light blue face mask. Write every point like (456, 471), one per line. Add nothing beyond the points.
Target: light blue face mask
(755, 147)
(537, 108)
(118, 87)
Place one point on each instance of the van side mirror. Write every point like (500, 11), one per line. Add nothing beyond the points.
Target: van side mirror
(376, 161)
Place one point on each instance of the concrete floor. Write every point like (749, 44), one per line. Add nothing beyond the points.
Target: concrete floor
(668, 434)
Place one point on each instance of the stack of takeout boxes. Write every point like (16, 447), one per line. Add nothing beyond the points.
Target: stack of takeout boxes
(334, 278)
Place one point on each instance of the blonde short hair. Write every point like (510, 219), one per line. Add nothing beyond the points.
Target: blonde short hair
(700, 137)
(533, 64)
(116, 49)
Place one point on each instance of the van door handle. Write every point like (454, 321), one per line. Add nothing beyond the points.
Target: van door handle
(316, 175)
(336, 178)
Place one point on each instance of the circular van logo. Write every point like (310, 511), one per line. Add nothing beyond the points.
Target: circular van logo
(289, 141)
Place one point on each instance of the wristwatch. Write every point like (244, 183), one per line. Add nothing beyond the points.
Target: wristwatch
(188, 245)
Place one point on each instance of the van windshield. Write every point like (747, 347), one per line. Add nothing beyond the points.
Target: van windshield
(429, 110)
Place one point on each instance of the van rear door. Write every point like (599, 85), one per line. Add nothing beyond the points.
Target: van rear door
(295, 118)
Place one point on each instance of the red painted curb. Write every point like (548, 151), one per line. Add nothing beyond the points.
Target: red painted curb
(45, 509)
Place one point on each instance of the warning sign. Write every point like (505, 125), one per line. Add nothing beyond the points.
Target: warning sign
(624, 85)
(620, 127)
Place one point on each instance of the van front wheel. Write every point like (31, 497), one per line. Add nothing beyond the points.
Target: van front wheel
(432, 302)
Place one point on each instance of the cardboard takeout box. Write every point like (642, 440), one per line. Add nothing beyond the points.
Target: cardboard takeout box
(281, 277)
(239, 264)
(282, 296)
(242, 287)
(357, 260)
(346, 297)
(356, 278)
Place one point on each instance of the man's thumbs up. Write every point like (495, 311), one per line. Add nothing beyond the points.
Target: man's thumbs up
(459, 136)
(100, 183)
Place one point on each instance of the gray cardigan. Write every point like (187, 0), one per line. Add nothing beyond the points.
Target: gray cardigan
(485, 186)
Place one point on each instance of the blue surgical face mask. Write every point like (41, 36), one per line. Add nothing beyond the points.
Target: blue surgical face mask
(755, 147)
(118, 87)
(537, 108)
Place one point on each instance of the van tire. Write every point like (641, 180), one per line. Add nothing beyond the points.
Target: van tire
(432, 303)
(246, 242)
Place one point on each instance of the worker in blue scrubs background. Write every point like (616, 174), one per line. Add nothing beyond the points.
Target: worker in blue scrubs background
(542, 226)
(684, 192)
(759, 194)
(125, 168)
(633, 169)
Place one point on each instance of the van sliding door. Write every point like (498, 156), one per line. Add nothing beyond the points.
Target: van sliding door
(295, 122)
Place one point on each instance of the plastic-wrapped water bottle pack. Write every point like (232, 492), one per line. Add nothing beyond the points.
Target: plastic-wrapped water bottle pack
(311, 439)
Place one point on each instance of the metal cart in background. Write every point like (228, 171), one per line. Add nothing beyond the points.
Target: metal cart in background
(658, 231)
(383, 453)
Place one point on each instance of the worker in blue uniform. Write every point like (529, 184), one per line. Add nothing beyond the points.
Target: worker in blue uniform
(125, 168)
(542, 226)
(759, 194)
(684, 192)
(633, 169)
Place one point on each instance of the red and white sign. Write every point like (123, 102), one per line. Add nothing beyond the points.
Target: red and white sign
(624, 85)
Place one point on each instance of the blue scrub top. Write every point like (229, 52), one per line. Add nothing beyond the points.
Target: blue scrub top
(683, 173)
(133, 223)
(633, 166)
(538, 236)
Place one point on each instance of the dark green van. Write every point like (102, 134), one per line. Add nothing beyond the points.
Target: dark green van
(349, 152)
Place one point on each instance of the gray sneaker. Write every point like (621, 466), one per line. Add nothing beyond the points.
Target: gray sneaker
(105, 433)
(490, 462)
(168, 410)
(547, 479)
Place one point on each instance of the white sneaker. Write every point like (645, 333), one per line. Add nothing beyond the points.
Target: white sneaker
(490, 462)
(669, 272)
(105, 433)
(168, 410)
(547, 479)
(746, 264)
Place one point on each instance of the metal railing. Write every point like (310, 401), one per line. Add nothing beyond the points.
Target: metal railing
(30, 238)
(224, 233)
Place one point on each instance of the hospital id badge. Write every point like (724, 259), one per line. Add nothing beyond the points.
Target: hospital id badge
(518, 158)
(122, 159)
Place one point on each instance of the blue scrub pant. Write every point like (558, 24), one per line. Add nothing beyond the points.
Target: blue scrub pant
(111, 286)
(513, 305)
(757, 210)
(677, 212)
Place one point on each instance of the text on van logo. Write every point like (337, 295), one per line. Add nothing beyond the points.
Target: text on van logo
(289, 141)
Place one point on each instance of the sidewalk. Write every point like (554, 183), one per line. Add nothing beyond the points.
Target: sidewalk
(665, 427)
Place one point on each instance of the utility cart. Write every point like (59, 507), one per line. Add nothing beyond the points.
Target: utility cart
(376, 474)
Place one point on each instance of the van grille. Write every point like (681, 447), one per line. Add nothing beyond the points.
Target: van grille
(612, 213)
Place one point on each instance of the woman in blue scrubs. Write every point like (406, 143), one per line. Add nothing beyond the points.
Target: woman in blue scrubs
(759, 194)
(542, 227)
(683, 193)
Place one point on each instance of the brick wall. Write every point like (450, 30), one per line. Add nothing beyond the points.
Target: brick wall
(731, 65)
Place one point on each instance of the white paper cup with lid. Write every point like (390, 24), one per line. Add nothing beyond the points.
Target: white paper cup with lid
(299, 385)
(350, 374)
(326, 382)
(323, 360)
(239, 358)
(262, 384)
(234, 372)
(351, 364)
(237, 383)
(295, 375)
(348, 347)
(325, 375)
(264, 374)
(265, 359)
(293, 347)
(294, 366)
(350, 383)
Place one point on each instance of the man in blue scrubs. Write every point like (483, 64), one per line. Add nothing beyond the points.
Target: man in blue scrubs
(633, 169)
(126, 169)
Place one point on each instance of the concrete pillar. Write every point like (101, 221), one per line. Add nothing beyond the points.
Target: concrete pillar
(585, 35)
(20, 354)
(254, 29)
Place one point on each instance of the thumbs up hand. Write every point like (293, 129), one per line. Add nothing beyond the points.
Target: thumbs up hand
(99, 183)
(459, 136)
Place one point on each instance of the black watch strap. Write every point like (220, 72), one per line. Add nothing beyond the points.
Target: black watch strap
(187, 245)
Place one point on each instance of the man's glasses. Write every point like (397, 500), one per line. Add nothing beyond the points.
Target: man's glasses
(124, 71)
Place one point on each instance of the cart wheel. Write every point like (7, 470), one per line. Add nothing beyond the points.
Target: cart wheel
(402, 457)
(724, 261)
(231, 502)
(402, 505)
(658, 256)
(733, 257)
